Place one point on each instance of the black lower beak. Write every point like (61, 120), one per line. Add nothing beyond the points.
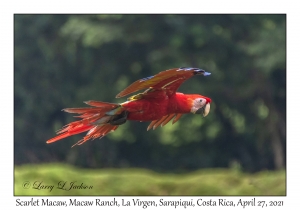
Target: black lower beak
(204, 110)
(201, 110)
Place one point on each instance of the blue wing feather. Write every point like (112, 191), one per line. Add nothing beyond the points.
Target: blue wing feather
(170, 79)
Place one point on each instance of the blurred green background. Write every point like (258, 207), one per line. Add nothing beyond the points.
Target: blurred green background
(238, 149)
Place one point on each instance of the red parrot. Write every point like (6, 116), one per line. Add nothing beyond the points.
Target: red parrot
(159, 103)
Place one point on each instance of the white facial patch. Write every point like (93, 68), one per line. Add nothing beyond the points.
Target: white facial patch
(198, 103)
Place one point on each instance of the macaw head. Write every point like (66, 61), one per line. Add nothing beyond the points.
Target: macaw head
(201, 105)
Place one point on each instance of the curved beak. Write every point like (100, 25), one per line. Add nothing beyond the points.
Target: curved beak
(204, 110)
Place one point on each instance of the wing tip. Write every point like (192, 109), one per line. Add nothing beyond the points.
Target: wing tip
(197, 70)
(206, 73)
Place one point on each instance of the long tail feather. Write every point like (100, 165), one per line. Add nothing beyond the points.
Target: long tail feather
(97, 132)
(101, 104)
(82, 110)
(94, 120)
(70, 132)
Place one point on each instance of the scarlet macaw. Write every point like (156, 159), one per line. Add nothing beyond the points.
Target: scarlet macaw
(159, 103)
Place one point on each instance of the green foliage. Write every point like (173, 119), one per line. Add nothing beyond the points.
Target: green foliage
(62, 60)
(145, 182)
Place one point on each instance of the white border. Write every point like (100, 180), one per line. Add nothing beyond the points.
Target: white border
(8, 8)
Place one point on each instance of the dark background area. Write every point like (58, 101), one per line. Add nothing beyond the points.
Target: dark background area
(62, 60)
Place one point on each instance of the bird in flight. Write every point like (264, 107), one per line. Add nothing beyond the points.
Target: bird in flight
(159, 103)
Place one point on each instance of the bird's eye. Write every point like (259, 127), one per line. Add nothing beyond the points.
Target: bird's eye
(200, 100)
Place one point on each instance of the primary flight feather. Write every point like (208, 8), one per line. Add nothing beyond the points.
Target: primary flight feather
(159, 103)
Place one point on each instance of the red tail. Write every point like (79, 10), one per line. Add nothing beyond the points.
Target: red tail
(94, 120)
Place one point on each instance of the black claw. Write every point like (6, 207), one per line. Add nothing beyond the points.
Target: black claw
(119, 119)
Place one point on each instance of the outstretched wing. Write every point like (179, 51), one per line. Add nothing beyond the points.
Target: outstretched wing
(169, 80)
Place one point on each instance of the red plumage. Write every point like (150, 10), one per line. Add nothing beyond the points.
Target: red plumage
(159, 103)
